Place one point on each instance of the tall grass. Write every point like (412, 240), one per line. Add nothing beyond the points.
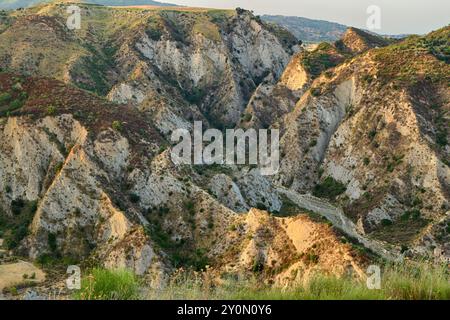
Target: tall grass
(418, 281)
(103, 284)
(398, 282)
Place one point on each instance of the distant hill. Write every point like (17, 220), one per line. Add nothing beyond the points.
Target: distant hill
(309, 30)
(14, 4)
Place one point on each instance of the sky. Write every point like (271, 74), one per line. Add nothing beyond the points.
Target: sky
(397, 16)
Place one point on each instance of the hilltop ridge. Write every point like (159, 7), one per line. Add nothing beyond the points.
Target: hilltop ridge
(15, 4)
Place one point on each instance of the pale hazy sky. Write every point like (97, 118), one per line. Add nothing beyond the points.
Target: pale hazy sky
(398, 16)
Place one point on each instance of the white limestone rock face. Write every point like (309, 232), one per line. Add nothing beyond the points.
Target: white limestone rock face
(228, 193)
(214, 70)
(53, 162)
(138, 257)
(257, 190)
(256, 48)
(390, 209)
(309, 130)
(124, 93)
(295, 76)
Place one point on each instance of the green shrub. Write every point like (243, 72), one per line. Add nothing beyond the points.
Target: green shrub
(58, 167)
(55, 259)
(116, 125)
(414, 214)
(23, 95)
(154, 33)
(390, 167)
(195, 96)
(258, 266)
(16, 236)
(161, 149)
(51, 240)
(17, 206)
(367, 78)
(329, 188)
(17, 87)
(320, 172)
(328, 74)
(261, 206)
(247, 117)
(315, 92)
(134, 198)
(372, 134)
(15, 104)
(51, 110)
(5, 97)
(13, 291)
(218, 16)
(285, 37)
(441, 138)
(323, 58)
(312, 258)
(190, 207)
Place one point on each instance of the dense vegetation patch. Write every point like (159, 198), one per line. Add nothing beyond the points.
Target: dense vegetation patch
(13, 229)
(404, 230)
(324, 57)
(12, 96)
(413, 60)
(92, 73)
(437, 43)
(329, 188)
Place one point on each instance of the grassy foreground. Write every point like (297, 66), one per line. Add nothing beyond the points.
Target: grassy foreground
(398, 282)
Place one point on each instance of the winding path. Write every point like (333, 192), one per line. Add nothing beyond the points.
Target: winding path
(337, 217)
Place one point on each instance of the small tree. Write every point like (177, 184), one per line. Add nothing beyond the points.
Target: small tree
(117, 125)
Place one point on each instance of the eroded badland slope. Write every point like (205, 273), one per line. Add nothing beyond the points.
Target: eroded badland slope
(89, 178)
